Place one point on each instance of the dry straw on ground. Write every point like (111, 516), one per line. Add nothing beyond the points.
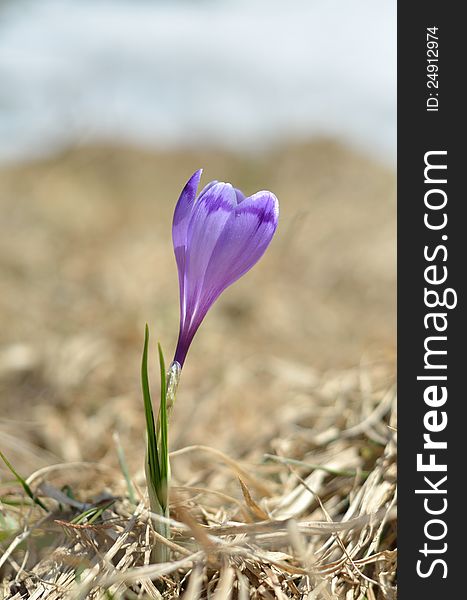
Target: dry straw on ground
(283, 450)
(315, 519)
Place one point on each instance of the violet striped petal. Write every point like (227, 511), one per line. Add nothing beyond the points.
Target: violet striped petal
(243, 241)
(240, 195)
(207, 187)
(184, 208)
(209, 216)
(217, 239)
(180, 222)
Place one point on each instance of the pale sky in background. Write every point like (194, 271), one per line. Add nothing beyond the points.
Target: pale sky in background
(236, 74)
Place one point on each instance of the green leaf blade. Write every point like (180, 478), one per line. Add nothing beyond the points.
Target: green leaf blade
(154, 467)
(23, 483)
(163, 429)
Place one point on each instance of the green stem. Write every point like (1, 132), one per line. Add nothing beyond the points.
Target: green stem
(172, 380)
(157, 455)
(160, 552)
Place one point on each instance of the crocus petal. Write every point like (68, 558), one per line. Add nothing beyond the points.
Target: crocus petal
(180, 222)
(209, 216)
(240, 195)
(217, 239)
(207, 187)
(183, 210)
(243, 241)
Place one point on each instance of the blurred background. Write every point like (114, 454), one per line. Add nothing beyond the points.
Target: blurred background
(106, 108)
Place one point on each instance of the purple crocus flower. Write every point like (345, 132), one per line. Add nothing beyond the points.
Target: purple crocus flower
(217, 238)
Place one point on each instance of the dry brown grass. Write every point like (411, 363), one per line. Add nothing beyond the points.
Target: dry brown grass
(277, 369)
